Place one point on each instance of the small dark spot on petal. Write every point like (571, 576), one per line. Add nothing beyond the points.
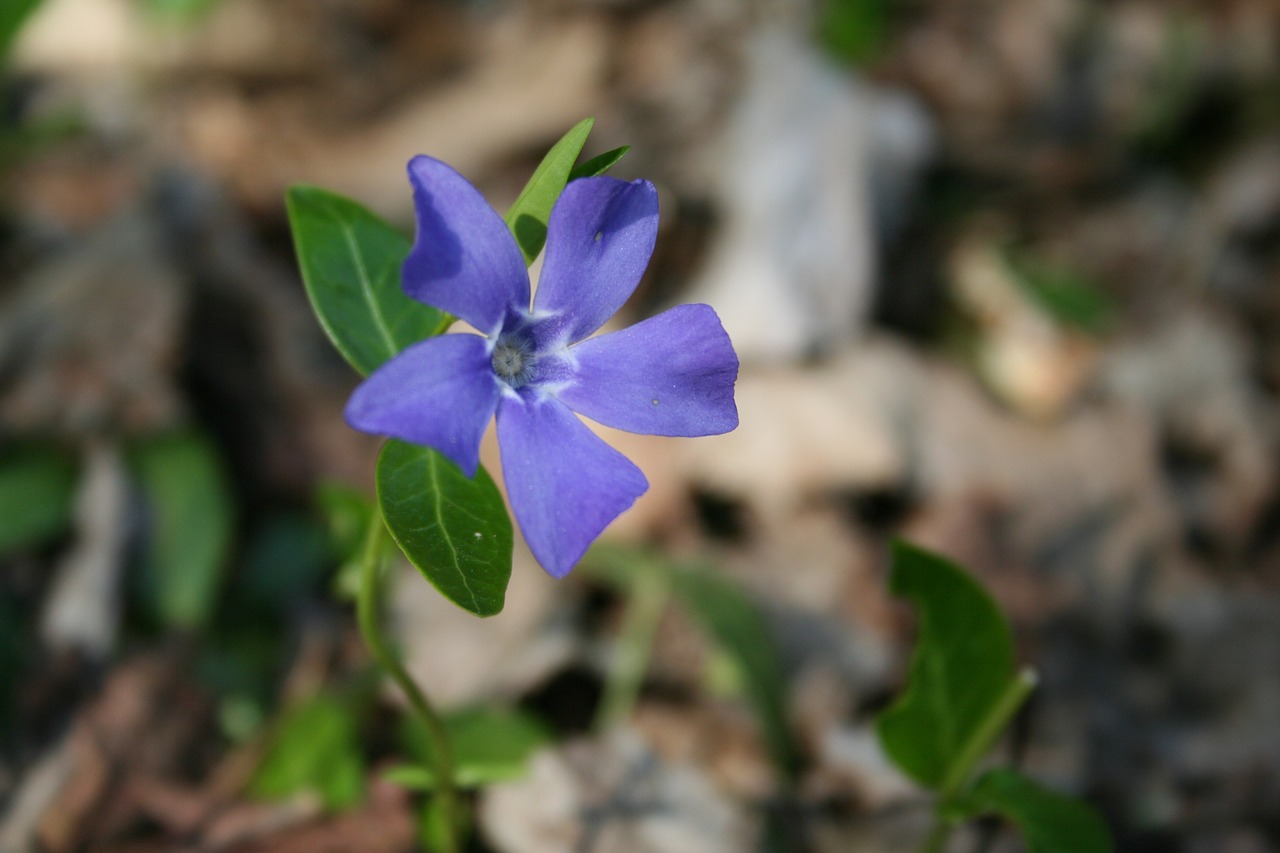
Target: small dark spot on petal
(599, 234)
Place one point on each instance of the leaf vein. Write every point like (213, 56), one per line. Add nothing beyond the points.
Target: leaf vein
(366, 285)
(444, 531)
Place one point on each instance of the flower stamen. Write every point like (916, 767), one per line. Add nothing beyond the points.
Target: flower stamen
(513, 362)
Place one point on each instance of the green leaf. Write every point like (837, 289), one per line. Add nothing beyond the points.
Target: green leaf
(13, 14)
(350, 261)
(455, 530)
(1050, 822)
(961, 670)
(728, 615)
(528, 217)
(489, 745)
(316, 747)
(190, 527)
(599, 164)
(37, 489)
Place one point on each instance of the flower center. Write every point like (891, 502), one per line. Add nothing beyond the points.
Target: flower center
(513, 362)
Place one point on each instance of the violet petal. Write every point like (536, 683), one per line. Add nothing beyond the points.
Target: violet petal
(563, 482)
(672, 374)
(599, 239)
(440, 392)
(464, 260)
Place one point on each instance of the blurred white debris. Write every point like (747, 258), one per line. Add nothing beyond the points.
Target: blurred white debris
(1193, 376)
(83, 609)
(615, 795)
(831, 426)
(855, 751)
(902, 144)
(792, 268)
(504, 655)
(41, 784)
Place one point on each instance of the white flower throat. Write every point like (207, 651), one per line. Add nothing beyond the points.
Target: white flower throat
(513, 362)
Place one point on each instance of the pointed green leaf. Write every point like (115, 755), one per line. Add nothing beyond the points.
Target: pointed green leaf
(37, 487)
(455, 530)
(350, 261)
(190, 526)
(1050, 822)
(962, 667)
(528, 217)
(727, 614)
(315, 747)
(599, 164)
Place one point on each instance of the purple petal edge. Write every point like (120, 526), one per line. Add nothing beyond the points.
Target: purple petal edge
(672, 374)
(599, 240)
(564, 483)
(464, 259)
(440, 392)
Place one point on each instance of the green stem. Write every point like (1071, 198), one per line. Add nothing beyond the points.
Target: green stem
(647, 599)
(985, 734)
(971, 752)
(367, 605)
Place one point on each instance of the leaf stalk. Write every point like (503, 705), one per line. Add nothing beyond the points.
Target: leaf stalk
(978, 744)
(367, 605)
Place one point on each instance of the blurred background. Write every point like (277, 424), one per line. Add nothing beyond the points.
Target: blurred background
(1005, 280)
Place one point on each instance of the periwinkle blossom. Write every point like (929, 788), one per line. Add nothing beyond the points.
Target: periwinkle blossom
(534, 366)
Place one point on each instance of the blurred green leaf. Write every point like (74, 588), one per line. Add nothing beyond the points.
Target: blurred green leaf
(350, 261)
(489, 745)
(599, 164)
(1068, 297)
(1050, 822)
(855, 30)
(348, 514)
(455, 530)
(315, 747)
(190, 527)
(243, 658)
(961, 670)
(13, 14)
(528, 217)
(287, 557)
(728, 615)
(37, 490)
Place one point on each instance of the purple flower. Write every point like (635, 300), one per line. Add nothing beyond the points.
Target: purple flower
(670, 375)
